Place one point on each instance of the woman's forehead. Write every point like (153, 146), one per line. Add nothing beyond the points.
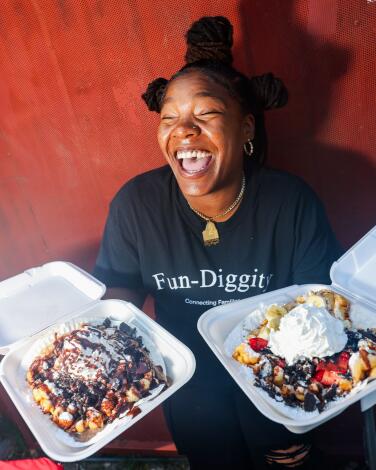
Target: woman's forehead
(195, 84)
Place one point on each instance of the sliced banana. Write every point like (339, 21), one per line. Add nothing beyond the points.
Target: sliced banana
(274, 323)
(273, 315)
(316, 301)
(264, 333)
(356, 367)
(275, 311)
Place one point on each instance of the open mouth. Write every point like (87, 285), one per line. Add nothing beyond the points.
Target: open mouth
(194, 161)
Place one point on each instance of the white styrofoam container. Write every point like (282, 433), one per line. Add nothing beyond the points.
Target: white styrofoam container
(353, 275)
(38, 297)
(32, 304)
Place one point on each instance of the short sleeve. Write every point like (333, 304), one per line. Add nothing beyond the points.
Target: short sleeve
(315, 246)
(118, 263)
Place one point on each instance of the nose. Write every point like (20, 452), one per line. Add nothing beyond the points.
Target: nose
(186, 129)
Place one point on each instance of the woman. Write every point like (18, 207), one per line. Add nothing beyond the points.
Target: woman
(212, 227)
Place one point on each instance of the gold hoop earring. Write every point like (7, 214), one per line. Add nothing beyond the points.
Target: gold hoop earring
(248, 147)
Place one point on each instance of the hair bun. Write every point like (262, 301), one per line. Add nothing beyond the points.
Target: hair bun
(154, 93)
(269, 91)
(209, 38)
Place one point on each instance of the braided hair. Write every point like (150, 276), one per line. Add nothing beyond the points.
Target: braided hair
(209, 43)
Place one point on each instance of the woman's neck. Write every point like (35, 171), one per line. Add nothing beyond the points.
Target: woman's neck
(213, 204)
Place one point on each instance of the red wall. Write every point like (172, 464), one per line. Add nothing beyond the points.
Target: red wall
(325, 50)
(73, 127)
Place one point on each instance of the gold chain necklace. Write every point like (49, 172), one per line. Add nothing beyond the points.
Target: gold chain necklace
(210, 234)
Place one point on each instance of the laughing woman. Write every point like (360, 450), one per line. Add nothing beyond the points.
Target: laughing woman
(214, 226)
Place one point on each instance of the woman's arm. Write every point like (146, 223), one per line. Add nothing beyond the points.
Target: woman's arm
(118, 261)
(316, 247)
(135, 296)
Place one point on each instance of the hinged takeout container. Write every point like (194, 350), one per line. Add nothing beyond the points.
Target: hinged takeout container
(353, 275)
(32, 304)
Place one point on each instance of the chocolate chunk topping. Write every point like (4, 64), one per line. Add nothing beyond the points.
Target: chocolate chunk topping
(310, 402)
(95, 373)
(107, 323)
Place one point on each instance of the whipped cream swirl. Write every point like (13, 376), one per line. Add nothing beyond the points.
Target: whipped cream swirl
(307, 331)
(91, 353)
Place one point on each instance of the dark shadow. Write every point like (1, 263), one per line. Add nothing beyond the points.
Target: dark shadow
(345, 180)
(83, 255)
(311, 67)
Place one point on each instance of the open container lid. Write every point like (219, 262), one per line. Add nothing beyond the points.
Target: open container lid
(355, 271)
(354, 274)
(33, 300)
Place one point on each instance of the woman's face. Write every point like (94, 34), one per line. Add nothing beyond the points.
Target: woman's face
(202, 133)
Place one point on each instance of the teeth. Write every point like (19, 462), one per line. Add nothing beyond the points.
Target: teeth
(192, 154)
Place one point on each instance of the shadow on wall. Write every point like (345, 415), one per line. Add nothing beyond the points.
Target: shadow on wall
(303, 42)
(300, 135)
(314, 47)
(83, 255)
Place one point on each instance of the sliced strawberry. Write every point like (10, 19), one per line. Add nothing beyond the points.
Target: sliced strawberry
(332, 367)
(330, 377)
(321, 366)
(343, 361)
(318, 376)
(258, 344)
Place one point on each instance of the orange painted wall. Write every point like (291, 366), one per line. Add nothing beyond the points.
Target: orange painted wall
(73, 127)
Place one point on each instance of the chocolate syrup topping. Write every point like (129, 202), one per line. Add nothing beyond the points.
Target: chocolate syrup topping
(93, 374)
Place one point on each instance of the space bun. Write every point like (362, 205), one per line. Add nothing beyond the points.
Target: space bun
(209, 43)
(210, 38)
(154, 94)
(269, 91)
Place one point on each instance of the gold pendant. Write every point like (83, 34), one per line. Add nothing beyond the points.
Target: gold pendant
(210, 234)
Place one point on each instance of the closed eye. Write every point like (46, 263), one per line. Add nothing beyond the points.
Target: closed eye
(209, 112)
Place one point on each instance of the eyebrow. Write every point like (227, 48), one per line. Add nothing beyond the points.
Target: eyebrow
(200, 94)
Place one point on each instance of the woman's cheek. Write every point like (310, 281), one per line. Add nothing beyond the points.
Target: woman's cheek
(162, 136)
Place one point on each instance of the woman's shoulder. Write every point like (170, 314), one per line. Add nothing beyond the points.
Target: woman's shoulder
(282, 183)
(145, 187)
(281, 178)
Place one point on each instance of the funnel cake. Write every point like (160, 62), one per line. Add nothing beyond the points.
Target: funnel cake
(93, 375)
(318, 373)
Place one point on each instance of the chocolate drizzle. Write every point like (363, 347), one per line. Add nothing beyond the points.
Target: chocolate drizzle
(93, 374)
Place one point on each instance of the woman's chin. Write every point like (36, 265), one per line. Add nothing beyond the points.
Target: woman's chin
(194, 186)
(194, 183)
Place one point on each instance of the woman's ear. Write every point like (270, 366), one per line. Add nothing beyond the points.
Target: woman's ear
(248, 127)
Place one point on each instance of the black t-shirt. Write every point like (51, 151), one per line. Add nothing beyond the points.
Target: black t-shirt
(278, 236)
